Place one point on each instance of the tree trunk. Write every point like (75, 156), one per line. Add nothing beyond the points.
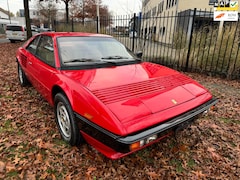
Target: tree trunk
(27, 19)
(67, 13)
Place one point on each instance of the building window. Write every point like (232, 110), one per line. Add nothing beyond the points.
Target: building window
(212, 2)
(154, 10)
(163, 31)
(160, 7)
(154, 30)
(148, 14)
(145, 2)
(171, 3)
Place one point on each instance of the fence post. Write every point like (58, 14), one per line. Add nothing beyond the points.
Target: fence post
(190, 39)
(55, 25)
(72, 26)
(134, 27)
(221, 23)
(97, 25)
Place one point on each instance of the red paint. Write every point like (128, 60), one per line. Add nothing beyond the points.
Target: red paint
(121, 99)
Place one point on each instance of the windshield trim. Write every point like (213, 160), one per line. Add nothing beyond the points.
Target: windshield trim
(100, 65)
(97, 63)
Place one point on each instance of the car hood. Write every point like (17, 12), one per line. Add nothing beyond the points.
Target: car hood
(136, 91)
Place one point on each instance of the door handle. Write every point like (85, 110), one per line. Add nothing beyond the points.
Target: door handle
(29, 62)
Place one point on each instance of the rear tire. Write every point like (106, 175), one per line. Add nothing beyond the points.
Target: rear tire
(65, 120)
(22, 77)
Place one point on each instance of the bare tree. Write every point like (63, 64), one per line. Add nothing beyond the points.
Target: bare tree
(47, 11)
(77, 10)
(87, 9)
(66, 2)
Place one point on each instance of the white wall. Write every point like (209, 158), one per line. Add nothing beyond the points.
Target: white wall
(3, 15)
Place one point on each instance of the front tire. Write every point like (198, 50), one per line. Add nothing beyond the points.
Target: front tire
(65, 120)
(22, 77)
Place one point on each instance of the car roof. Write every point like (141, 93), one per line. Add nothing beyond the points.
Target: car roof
(61, 34)
(14, 25)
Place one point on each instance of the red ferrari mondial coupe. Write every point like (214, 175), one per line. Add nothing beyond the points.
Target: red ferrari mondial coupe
(104, 94)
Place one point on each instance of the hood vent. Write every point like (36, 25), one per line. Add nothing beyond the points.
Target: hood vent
(134, 90)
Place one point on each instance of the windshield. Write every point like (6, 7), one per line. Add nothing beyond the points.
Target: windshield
(76, 51)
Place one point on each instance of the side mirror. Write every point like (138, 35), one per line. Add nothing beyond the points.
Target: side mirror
(139, 54)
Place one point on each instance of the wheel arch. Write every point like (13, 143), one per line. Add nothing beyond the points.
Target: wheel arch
(57, 89)
(67, 91)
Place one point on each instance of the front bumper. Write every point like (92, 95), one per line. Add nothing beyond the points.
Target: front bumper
(121, 144)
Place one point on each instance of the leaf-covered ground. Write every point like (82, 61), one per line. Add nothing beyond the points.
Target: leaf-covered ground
(31, 148)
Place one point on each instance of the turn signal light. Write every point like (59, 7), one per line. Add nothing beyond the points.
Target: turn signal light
(136, 145)
(141, 143)
(213, 108)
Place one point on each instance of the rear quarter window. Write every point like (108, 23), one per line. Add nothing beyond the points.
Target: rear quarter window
(14, 28)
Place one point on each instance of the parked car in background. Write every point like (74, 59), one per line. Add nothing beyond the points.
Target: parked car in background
(104, 94)
(16, 32)
(44, 30)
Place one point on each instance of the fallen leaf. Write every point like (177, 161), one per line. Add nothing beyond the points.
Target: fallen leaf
(2, 167)
(53, 177)
(153, 174)
(199, 174)
(215, 156)
(30, 175)
(10, 167)
(9, 116)
(90, 170)
(68, 177)
(16, 159)
(39, 157)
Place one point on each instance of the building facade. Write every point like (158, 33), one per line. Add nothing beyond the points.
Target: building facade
(4, 19)
(161, 18)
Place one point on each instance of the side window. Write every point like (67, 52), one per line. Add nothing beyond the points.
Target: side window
(45, 50)
(33, 46)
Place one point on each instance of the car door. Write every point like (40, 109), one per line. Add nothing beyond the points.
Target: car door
(42, 66)
(27, 58)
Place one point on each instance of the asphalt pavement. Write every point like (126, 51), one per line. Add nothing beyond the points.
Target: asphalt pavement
(3, 40)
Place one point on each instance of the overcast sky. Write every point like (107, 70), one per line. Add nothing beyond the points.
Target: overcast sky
(123, 7)
(117, 7)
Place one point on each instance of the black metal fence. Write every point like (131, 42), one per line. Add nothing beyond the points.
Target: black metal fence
(188, 40)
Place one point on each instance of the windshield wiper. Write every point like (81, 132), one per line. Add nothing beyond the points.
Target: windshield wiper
(114, 57)
(110, 62)
(80, 60)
